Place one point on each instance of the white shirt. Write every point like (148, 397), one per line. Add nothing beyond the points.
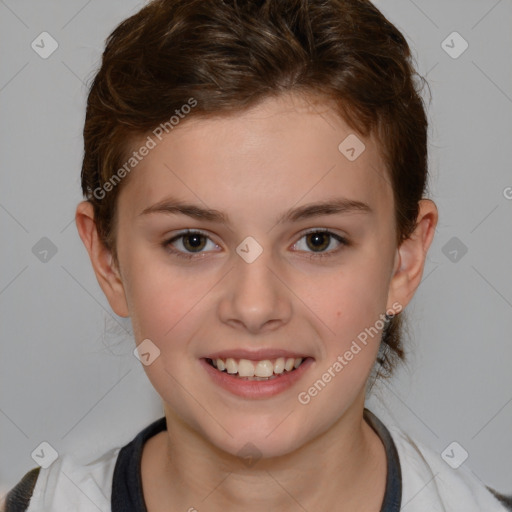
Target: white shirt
(429, 484)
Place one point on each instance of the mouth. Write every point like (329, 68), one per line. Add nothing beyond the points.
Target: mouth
(261, 370)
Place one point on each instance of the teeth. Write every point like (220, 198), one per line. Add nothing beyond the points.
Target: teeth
(288, 366)
(260, 370)
(246, 369)
(231, 366)
(263, 369)
(279, 365)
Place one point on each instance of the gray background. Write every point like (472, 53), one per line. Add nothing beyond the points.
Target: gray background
(68, 374)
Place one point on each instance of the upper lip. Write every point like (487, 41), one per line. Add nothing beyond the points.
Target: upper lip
(256, 355)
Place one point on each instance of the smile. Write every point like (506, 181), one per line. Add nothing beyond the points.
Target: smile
(265, 369)
(256, 378)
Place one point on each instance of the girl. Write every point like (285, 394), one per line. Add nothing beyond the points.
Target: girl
(254, 175)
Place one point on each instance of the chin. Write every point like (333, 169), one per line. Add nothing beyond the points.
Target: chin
(257, 441)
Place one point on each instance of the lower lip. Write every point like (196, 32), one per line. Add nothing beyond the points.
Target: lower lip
(256, 389)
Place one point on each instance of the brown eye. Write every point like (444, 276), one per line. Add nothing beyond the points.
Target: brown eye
(317, 241)
(188, 244)
(194, 242)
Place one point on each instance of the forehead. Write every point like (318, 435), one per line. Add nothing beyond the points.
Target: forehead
(283, 152)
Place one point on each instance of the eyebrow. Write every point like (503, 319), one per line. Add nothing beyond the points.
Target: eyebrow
(328, 207)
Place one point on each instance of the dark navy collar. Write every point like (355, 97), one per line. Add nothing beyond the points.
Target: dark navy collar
(393, 494)
(127, 493)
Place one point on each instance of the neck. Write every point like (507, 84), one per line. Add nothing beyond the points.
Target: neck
(343, 468)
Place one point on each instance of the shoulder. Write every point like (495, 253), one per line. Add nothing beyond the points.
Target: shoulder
(18, 498)
(68, 484)
(429, 483)
(80, 484)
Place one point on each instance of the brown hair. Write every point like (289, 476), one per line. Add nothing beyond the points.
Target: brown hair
(231, 54)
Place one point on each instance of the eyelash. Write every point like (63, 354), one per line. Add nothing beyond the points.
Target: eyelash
(344, 242)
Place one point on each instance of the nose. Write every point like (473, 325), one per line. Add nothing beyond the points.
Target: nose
(256, 298)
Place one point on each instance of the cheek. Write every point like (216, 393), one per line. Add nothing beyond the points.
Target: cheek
(162, 306)
(350, 304)
(351, 299)
(166, 309)
(161, 298)
(351, 310)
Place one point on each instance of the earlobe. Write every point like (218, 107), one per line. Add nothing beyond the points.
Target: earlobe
(411, 255)
(107, 272)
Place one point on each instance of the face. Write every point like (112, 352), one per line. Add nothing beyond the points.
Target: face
(223, 255)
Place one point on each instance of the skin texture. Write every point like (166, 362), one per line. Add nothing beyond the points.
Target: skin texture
(254, 166)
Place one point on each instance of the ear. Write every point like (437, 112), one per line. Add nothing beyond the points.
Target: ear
(107, 272)
(410, 256)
